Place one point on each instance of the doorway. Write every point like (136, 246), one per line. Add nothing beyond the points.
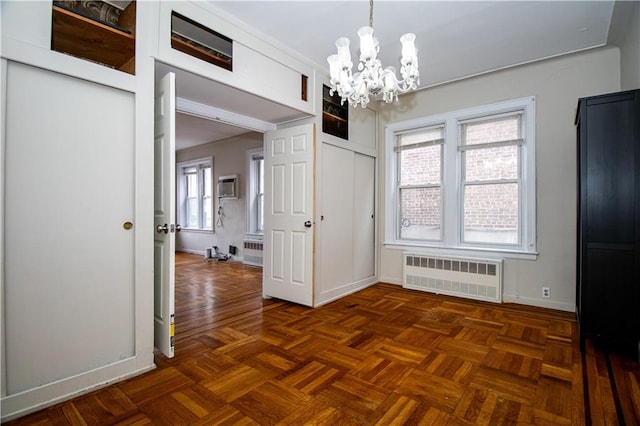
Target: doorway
(225, 137)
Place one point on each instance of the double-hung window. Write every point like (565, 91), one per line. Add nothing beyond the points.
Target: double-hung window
(419, 161)
(195, 194)
(463, 180)
(255, 191)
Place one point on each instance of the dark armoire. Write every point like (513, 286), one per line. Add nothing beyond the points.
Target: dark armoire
(608, 258)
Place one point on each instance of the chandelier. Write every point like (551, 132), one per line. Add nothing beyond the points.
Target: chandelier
(372, 79)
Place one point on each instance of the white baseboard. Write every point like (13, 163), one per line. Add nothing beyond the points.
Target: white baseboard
(200, 252)
(334, 294)
(31, 400)
(512, 298)
(540, 303)
(390, 280)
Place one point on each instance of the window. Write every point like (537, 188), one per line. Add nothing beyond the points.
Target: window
(463, 180)
(255, 206)
(195, 195)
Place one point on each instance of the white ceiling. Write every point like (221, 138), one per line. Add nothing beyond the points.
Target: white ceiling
(455, 39)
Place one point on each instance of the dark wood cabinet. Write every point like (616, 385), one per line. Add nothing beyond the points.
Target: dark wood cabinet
(608, 259)
(335, 114)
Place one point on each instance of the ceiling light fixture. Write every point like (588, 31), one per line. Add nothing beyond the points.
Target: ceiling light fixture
(372, 80)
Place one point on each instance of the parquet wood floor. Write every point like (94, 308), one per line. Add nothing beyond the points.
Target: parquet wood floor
(382, 356)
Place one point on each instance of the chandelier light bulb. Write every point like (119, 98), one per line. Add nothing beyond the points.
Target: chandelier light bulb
(408, 46)
(367, 44)
(343, 50)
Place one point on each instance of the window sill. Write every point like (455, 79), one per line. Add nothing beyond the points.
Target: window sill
(490, 253)
(198, 231)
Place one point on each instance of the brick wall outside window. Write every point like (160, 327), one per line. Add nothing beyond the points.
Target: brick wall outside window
(486, 207)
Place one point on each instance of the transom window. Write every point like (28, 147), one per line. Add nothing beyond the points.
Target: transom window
(463, 180)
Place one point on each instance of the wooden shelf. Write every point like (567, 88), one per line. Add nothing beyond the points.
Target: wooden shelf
(197, 52)
(85, 38)
(334, 117)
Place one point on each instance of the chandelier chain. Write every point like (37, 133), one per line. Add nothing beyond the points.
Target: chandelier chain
(371, 13)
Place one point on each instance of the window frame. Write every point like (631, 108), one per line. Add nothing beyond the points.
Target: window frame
(439, 185)
(253, 186)
(452, 202)
(181, 192)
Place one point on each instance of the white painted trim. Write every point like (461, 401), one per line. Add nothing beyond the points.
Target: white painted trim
(530, 301)
(209, 112)
(144, 229)
(190, 251)
(31, 400)
(463, 251)
(3, 112)
(338, 293)
(36, 56)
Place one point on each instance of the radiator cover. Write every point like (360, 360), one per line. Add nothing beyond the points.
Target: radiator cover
(252, 254)
(479, 279)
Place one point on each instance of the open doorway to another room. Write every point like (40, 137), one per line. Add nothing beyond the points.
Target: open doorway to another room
(219, 193)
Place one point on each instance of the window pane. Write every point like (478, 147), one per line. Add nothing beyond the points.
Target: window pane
(491, 213)
(424, 135)
(192, 213)
(420, 166)
(207, 216)
(192, 185)
(420, 213)
(496, 130)
(491, 163)
(260, 173)
(206, 176)
(260, 219)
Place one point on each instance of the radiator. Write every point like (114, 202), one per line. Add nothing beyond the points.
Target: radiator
(252, 253)
(479, 279)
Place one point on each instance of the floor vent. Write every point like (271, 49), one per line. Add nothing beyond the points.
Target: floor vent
(252, 254)
(479, 279)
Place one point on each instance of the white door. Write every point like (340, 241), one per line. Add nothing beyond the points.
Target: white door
(337, 206)
(69, 264)
(288, 214)
(364, 254)
(164, 214)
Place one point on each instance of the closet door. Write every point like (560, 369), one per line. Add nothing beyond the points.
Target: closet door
(347, 240)
(336, 218)
(363, 217)
(69, 243)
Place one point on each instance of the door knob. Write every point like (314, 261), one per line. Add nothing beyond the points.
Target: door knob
(307, 224)
(162, 228)
(178, 227)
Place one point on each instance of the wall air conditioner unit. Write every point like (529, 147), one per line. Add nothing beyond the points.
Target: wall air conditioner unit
(227, 186)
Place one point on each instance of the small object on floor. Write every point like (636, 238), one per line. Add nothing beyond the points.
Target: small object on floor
(214, 254)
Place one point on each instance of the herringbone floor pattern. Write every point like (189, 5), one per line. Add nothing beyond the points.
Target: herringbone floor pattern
(384, 356)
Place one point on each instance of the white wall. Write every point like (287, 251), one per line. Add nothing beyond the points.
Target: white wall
(630, 51)
(229, 158)
(557, 84)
